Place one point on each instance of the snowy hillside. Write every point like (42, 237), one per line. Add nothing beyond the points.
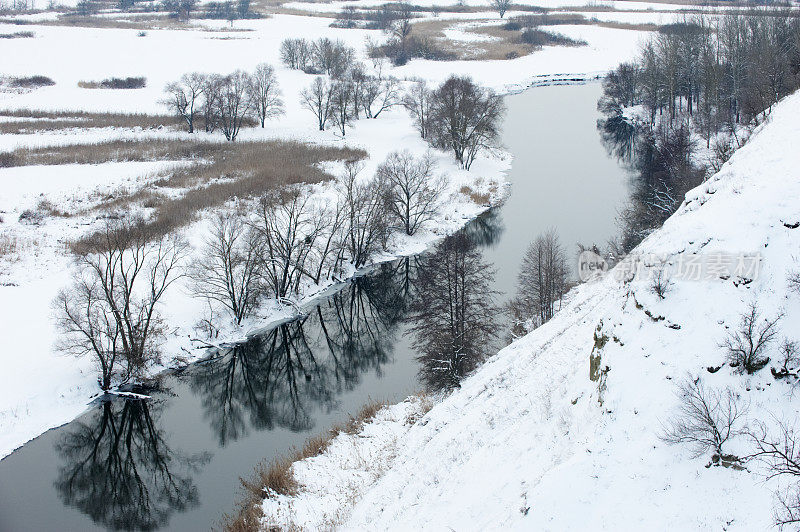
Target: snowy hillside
(531, 442)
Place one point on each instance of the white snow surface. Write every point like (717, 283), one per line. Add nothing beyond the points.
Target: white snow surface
(530, 443)
(41, 388)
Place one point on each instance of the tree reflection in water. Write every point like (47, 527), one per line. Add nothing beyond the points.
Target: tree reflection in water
(453, 316)
(278, 378)
(119, 470)
(619, 137)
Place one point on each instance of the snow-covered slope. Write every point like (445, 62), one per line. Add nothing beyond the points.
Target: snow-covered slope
(530, 442)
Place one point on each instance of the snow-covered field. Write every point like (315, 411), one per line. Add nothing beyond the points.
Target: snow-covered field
(531, 443)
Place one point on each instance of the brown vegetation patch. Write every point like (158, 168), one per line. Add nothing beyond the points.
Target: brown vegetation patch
(222, 171)
(37, 121)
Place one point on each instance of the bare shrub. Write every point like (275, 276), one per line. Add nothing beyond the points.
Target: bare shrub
(538, 38)
(17, 35)
(31, 82)
(110, 313)
(660, 283)
(229, 271)
(790, 357)
(115, 83)
(8, 245)
(706, 419)
(412, 191)
(746, 346)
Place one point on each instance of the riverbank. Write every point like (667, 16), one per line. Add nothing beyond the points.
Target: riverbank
(547, 433)
(43, 389)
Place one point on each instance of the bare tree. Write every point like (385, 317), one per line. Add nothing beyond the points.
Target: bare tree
(400, 28)
(453, 317)
(465, 118)
(332, 57)
(542, 280)
(229, 271)
(318, 99)
(265, 93)
(417, 102)
(234, 104)
(781, 454)
(183, 97)
(295, 53)
(794, 281)
(746, 346)
(212, 95)
(501, 6)
(380, 95)
(341, 109)
(286, 225)
(365, 224)
(412, 191)
(706, 419)
(111, 311)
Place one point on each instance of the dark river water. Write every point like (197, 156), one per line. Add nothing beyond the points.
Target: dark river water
(174, 462)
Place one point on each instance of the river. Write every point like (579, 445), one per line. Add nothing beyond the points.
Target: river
(174, 462)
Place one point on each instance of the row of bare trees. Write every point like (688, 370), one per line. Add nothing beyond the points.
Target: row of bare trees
(225, 102)
(111, 311)
(341, 101)
(295, 240)
(719, 71)
(323, 56)
(702, 78)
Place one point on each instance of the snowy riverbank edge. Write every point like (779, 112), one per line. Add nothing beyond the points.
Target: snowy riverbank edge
(531, 442)
(19, 422)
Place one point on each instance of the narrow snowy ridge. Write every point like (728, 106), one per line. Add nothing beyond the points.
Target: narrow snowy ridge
(531, 442)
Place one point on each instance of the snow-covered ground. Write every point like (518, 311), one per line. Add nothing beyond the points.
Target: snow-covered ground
(40, 387)
(530, 442)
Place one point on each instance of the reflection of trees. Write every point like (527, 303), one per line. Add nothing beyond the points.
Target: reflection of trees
(486, 229)
(119, 470)
(618, 135)
(277, 378)
(453, 314)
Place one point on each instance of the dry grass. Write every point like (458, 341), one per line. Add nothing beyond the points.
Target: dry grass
(222, 171)
(8, 245)
(276, 478)
(506, 42)
(38, 121)
(480, 198)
